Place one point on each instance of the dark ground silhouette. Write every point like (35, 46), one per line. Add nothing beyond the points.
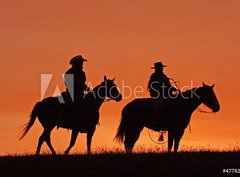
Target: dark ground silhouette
(197, 164)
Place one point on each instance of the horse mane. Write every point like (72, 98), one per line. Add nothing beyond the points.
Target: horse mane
(188, 93)
(92, 93)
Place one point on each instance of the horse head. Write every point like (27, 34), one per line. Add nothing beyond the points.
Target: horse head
(111, 90)
(209, 98)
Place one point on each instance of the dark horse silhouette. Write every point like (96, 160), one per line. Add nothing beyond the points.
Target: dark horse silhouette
(49, 112)
(137, 114)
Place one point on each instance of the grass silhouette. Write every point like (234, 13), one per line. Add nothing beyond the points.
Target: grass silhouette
(114, 163)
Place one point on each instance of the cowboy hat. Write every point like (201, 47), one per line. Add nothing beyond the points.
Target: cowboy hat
(77, 59)
(158, 65)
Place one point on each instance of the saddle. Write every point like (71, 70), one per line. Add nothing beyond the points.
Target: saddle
(160, 107)
(66, 97)
(76, 116)
(160, 113)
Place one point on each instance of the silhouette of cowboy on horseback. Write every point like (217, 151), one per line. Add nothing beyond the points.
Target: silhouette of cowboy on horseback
(159, 84)
(160, 90)
(74, 79)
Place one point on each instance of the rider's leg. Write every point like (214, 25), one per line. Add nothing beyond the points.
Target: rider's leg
(157, 109)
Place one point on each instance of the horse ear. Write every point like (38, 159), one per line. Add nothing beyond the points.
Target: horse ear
(114, 79)
(105, 78)
(212, 85)
(204, 85)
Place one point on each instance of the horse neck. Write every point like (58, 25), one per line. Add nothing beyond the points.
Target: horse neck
(193, 101)
(97, 96)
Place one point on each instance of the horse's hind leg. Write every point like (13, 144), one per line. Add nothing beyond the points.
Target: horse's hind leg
(131, 136)
(40, 142)
(48, 141)
(72, 142)
(45, 137)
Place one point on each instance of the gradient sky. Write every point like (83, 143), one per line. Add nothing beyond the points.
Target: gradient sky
(198, 40)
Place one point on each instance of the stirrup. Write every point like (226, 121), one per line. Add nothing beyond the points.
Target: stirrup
(161, 138)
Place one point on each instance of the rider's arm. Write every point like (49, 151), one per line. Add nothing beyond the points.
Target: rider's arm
(151, 80)
(169, 85)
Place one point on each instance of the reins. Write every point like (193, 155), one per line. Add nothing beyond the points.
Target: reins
(202, 111)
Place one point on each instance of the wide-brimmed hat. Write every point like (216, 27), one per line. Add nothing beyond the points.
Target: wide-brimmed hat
(158, 65)
(77, 59)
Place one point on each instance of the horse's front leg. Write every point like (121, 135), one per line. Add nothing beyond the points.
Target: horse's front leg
(89, 139)
(73, 140)
(177, 139)
(170, 140)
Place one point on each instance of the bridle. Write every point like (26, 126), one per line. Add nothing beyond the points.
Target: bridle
(203, 111)
(177, 83)
(107, 99)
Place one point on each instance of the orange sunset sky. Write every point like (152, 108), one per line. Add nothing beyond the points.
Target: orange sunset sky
(198, 40)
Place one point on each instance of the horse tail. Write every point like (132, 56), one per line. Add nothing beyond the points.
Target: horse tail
(32, 119)
(121, 130)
